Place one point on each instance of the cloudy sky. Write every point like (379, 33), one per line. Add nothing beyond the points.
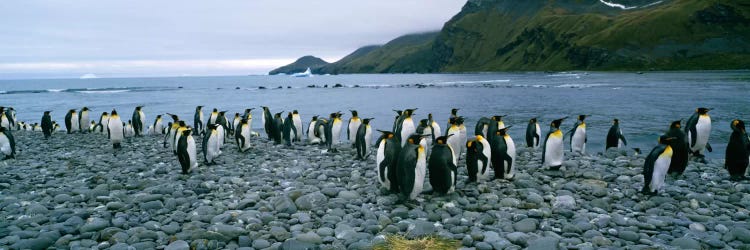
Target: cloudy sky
(52, 38)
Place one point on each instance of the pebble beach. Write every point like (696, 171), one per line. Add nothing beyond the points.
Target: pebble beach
(76, 192)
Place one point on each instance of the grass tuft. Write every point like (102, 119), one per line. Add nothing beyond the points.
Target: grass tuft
(429, 242)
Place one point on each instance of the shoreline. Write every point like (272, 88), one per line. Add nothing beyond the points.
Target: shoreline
(71, 192)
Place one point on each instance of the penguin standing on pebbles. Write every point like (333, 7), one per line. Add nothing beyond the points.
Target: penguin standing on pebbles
(503, 154)
(83, 120)
(698, 130)
(138, 121)
(186, 153)
(442, 166)
(386, 160)
(7, 143)
(533, 133)
(578, 136)
(288, 130)
(454, 140)
(297, 125)
(103, 124)
(615, 139)
(210, 144)
(242, 135)
(363, 139)
(198, 120)
(158, 126)
(552, 155)
(478, 158)
(71, 121)
(354, 122)
(738, 151)
(277, 127)
(656, 165)
(312, 136)
(47, 124)
(412, 168)
(680, 150)
(115, 130)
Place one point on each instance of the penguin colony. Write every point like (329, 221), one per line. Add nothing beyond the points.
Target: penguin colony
(403, 154)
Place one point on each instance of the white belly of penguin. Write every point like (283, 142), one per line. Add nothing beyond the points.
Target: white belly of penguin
(512, 153)
(419, 173)
(660, 172)
(191, 152)
(311, 133)
(455, 143)
(368, 139)
(379, 159)
(436, 130)
(579, 140)
(484, 171)
(353, 127)
(221, 133)
(245, 132)
(5, 145)
(336, 133)
(553, 154)
(115, 131)
(703, 129)
(538, 135)
(74, 123)
(297, 121)
(407, 128)
(212, 149)
(105, 125)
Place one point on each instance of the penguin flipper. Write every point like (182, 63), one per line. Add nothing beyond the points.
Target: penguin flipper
(622, 137)
(509, 160)
(708, 147)
(537, 139)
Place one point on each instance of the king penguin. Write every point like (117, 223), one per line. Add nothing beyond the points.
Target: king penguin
(242, 135)
(412, 168)
(396, 120)
(171, 130)
(482, 125)
(103, 124)
(328, 131)
(442, 166)
(7, 144)
(47, 124)
(267, 120)
(139, 120)
(114, 130)
(336, 125)
(454, 140)
(288, 130)
(406, 126)
(615, 139)
(698, 130)
(210, 144)
(363, 139)
(71, 121)
(236, 122)
(83, 120)
(578, 136)
(353, 127)
(186, 153)
(277, 127)
(738, 151)
(656, 165)
(312, 136)
(533, 133)
(478, 158)
(158, 126)
(198, 120)
(386, 160)
(297, 125)
(212, 117)
(182, 126)
(503, 154)
(552, 155)
(424, 129)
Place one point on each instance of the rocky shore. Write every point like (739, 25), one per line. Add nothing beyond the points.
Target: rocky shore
(73, 192)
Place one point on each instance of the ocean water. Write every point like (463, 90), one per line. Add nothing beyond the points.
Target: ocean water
(644, 103)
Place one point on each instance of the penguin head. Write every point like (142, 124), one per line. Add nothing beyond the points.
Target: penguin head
(676, 124)
(315, 118)
(664, 139)
(738, 125)
(198, 108)
(174, 117)
(138, 108)
(386, 134)
(339, 114)
(460, 120)
(498, 117)
(289, 115)
(354, 113)
(72, 111)
(582, 117)
(332, 115)
(409, 112)
(429, 116)
(452, 121)
(367, 120)
(84, 109)
(503, 131)
(278, 115)
(532, 120)
(182, 124)
(222, 113)
(129, 122)
(47, 112)
(249, 110)
(637, 151)
(398, 112)
(114, 112)
(158, 117)
(423, 122)
(616, 121)
(454, 111)
(264, 108)
(415, 139)
(443, 139)
(556, 123)
(702, 111)
(215, 110)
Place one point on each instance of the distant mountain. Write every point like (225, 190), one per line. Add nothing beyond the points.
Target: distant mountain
(539, 35)
(300, 65)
